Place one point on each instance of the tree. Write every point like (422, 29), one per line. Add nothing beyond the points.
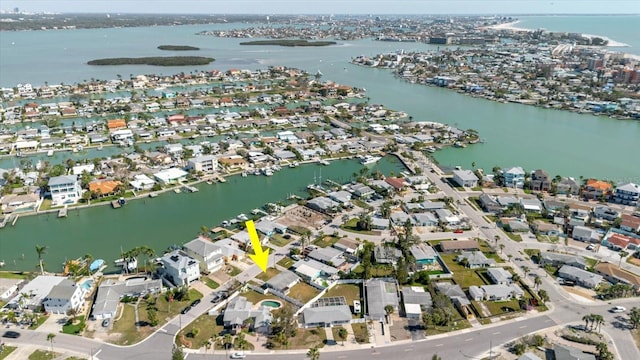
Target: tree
(227, 340)
(537, 281)
(402, 274)
(427, 319)
(177, 353)
(634, 317)
(389, 309)
(342, 334)
(598, 320)
(622, 254)
(152, 315)
(525, 270)
(313, 353)
(501, 248)
(515, 278)
(50, 338)
(587, 319)
(436, 357)
(41, 250)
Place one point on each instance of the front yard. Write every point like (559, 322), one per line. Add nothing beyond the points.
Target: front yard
(326, 241)
(286, 262)
(265, 276)
(361, 332)
(304, 339)
(6, 350)
(200, 331)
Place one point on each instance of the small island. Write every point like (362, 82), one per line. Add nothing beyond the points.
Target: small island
(155, 60)
(178, 47)
(283, 42)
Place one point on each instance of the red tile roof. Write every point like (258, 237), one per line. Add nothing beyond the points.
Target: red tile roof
(630, 221)
(618, 240)
(397, 183)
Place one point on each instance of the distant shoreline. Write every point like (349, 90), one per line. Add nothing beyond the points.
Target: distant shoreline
(291, 43)
(155, 60)
(511, 26)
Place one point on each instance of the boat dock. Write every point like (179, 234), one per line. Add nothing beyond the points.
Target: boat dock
(115, 204)
(190, 188)
(221, 179)
(62, 212)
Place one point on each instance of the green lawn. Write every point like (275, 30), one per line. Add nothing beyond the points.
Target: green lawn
(513, 236)
(210, 283)
(207, 326)
(303, 292)
(6, 350)
(351, 292)
(361, 332)
(326, 241)
(496, 307)
(455, 325)
(74, 328)
(255, 297)
(305, 339)
(234, 271)
(43, 355)
(461, 275)
(591, 263)
(271, 272)
(352, 226)
(14, 275)
(279, 240)
(74, 358)
(286, 262)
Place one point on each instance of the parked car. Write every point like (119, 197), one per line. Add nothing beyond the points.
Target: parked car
(591, 247)
(195, 302)
(238, 355)
(618, 309)
(185, 310)
(11, 334)
(458, 231)
(216, 298)
(106, 322)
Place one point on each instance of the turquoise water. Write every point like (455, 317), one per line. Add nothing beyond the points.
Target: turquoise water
(269, 303)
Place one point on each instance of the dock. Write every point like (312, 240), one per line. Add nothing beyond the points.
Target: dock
(62, 212)
(115, 204)
(221, 179)
(190, 188)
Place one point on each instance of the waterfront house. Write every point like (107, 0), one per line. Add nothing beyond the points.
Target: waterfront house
(555, 259)
(416, 300)
(323, 204)
(381, 293)
(206, 163)
(18, 202)
(36, 290)
(499, 276)
(141, 182)
(465, 178)
(111, 291)
(269, 228)
(627, 194)
(343, 197)
(581, 277)
(423, 254)
(362, 191)
(606, 213)
(568, 186)
(104, 187)
(240, 310)
(540, 180)
(170, 176)
(474, 259)
(283, 282)
(65, 296)
(179, 268)
(327, 312)
(596, 189)
(514, 177)
(122, 135)
(208, 254)
(64, 189)
(630, 223)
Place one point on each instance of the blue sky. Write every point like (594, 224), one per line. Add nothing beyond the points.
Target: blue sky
(331, 6)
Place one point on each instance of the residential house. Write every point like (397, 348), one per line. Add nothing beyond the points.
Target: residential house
(529, 356)
(424, 219)
(362, 191)
(311, 270)
(65, 296)
(142, 182)
(489, 204)
(531, 205)
(206, 164)
(457, 296)
(555, 259)
(499, 276)
(416, 300)
(111, 291)
(516, 226)
(170, 176)
(606, 213)
(65, 189)
(474, 259)
(545, 228)
(514, 177)
(618, 241)
(241, 313)
(447, 217)
(179, 268)
(424, 255)
(465, 178)
(630, 223)
(230, 249)
(379, 223)
(36, 290)
(581, 277)
(616, 275)
(208, 254)
(540, 180)
(627, 194)
(563, 352)
(384, 254)
(328, 255)
(381, 293)
(583, 233)
(498, 292)
(347, 245)
(327, 312)
(323, 204)
(596, 189)
(568, 186)
(283, 282)
(343, 197)
(269, 228)
(453, 246)
(104, 187)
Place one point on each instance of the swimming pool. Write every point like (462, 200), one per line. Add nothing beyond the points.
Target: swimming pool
(271, 303)
(87, 284)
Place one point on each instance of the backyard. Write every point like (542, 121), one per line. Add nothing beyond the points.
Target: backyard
(303, 292)
(255, 297)
(351, 292)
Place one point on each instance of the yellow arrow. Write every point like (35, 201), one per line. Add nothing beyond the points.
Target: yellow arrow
(261, 258)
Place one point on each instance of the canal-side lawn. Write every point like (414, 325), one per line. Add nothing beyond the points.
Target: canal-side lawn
(206, 326)
(303, 292)
(266, 275)
(14, 275)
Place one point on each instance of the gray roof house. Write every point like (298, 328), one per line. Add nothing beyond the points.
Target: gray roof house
(562, 259)
(501, 292)
(63, 297)
(386, 254)
(583, 233)
(457, 296)
(581, 277)
(379, 223)
(207, 253)
(415, 301)
(489, 204)
(425, 219)
(475, 259)
(327, 311)
(323, 204)
(563, 352)
(499, 276)
(328, 255)
(465, 178)
(111, 291)
(529, 356)
(240, 309)
(179, 268)
(283, 282)
(343, 197)
(381, 293)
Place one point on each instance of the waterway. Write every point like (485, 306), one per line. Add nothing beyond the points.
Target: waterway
(165, 220)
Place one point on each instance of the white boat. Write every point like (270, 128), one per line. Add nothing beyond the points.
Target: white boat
(368, 160)
(100, 147)
(244, 174)
(267, 172)
(50, 153)
(323, 162)
(242, 217)
(176, 190)
(294, 164)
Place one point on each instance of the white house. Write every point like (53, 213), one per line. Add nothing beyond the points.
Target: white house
(142, 182)
(63, 297)
(122, 135)
(65, 189)
(204, 163)
(170, 176)
(465, 178)
(206, 252)
(179, 268)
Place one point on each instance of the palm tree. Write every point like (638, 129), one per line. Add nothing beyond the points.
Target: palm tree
(599, 320)
(634, 317)
(227, 340)
(41, 250)
(525, 270)
(50, 338)
(342, 334)
(501, 248)
(537, 281)
(436, 357)
(515, 278)
(587, 319)
(313, 353)
(622, 254)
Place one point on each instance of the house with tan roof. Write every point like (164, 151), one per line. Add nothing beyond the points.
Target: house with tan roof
(596, 189)
(104, 187)
(616, 275)
(630, 223)
(116, 124)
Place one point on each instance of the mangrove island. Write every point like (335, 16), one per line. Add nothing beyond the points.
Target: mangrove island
(155, 60)
(178, 47)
